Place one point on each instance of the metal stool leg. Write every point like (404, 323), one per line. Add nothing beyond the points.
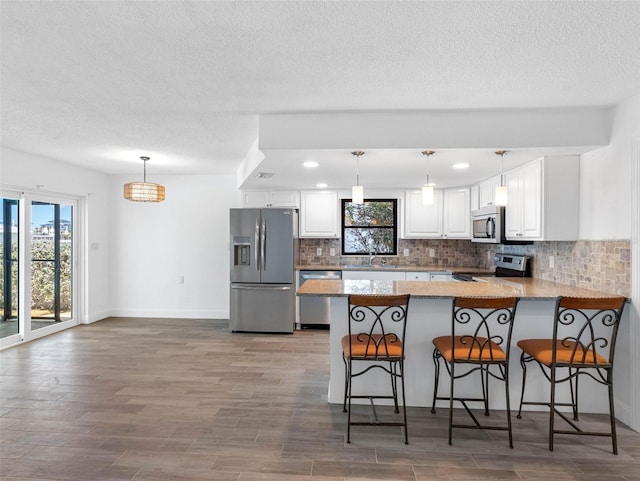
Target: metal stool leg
(612, 415)
(436, 380)
(347, 375)
(523, 363)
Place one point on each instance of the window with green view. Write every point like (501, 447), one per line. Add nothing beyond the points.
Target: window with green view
(370, 227)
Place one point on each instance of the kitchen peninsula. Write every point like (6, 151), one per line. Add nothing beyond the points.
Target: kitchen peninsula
(429, 317)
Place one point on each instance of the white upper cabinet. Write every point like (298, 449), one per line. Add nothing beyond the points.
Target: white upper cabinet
(457, 214)
(449, 216)
(474, 191)
(543, 199)
(319, 214)
(487, 190)
(422, 221)
(285, 198)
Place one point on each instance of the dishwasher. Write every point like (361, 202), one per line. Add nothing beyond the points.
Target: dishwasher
(314, 311)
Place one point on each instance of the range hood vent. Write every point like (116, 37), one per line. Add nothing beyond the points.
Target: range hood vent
(264, 175)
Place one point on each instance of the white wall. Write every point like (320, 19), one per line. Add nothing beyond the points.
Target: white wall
(606, 180)
(155, 244)
(27, 172)
(608, 202)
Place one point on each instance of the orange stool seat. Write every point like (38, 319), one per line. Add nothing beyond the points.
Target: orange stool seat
(374, 347)
(567, 352)
(468, 348)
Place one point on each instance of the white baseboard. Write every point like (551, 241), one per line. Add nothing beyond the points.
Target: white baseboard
(623, 412)
(171, 313)
(96, 316)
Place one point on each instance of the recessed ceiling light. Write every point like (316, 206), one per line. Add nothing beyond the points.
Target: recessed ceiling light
(322, 185)
(310, 164)
(461, 165)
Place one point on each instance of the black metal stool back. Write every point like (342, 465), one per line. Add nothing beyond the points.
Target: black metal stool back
(583, 343)
(377, 326)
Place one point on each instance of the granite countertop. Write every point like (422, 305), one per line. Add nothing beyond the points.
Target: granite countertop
(387, 267)
(528, 288)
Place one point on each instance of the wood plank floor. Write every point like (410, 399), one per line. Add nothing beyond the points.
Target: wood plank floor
(160, 399)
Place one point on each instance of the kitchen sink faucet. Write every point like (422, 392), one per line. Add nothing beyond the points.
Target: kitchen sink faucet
(373, 255)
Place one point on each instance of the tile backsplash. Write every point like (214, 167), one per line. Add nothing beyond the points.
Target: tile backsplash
(603, 265)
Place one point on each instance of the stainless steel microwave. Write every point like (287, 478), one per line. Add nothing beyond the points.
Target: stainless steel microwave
(488, 224)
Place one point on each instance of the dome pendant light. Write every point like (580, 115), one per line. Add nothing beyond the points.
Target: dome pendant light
(357, 191)
(427, 189)
(144, 191)
(500, 197)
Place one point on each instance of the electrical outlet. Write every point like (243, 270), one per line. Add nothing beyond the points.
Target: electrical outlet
(319, 251)
(432, 253)
(405, 252)
(552, 262)
(332, 252)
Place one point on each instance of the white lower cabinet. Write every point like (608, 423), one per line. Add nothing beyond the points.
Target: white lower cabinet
(319, 214)
(366, 275)
(429, 276)
(440, 276)
(418, 276)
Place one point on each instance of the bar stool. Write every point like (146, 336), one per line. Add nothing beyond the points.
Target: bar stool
(377, 325)
(480, 340)
(584, 341)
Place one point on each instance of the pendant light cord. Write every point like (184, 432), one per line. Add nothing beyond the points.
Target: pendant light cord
(501, 154)
(144, 159)
(428, 153)
(357, 154)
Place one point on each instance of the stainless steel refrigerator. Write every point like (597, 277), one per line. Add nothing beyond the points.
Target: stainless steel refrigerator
(264, 252)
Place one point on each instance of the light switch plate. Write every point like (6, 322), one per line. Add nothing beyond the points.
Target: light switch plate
(552, 262)
(405, 252)
(432, 253)
(332, 252)
(319, 251)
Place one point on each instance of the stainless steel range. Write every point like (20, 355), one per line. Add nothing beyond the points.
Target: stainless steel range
(507, 265)
(512, 265)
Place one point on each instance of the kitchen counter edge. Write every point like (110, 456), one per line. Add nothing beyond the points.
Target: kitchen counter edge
(525, 288)
(396, 268)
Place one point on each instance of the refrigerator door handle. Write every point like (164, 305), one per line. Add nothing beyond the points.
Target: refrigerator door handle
(257, 245)
(263, 245)
(261, 287)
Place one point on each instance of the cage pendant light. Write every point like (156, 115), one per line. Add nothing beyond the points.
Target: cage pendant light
(500, 197)
(144, 191)
(427, 189)
(357, 191)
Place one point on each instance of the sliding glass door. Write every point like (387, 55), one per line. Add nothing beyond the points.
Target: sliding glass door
(38, 249)
(9, 224)
(51, 263)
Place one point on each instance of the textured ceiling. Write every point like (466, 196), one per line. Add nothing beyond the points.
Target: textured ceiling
(100, 83)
